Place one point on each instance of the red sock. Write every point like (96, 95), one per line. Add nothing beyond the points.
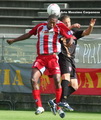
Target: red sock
(37, 98)
(58, 94)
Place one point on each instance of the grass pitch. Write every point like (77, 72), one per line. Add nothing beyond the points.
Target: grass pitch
(29, 115)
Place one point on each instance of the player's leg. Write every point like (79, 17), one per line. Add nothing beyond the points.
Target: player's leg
(63, 103)
(66, 68)
(37, 71)
(73, 81)
(70, 89)
(54, 69)
(57, 82)
(36, 90)
(73, 86)
(65, 89)
(64, 83)
(58, 94)
(53, 105)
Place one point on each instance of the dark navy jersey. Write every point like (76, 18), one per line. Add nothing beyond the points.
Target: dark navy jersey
(70, 51)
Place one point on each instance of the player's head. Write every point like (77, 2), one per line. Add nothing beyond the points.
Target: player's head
(52, 20)
(66, 20)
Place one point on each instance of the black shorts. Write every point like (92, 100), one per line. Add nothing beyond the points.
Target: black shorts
(67, 65)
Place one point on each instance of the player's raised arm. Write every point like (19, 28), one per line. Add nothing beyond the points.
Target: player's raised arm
(20, 38)
(90, 28)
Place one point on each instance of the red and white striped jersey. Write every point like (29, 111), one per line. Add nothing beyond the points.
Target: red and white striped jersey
(48, 40)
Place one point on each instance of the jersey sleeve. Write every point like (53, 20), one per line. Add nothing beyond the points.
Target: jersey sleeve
(33, 31)
(63, 26)
(65, 31)
(78, 33)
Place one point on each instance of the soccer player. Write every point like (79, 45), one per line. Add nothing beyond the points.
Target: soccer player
(67, 64)
(48, 46)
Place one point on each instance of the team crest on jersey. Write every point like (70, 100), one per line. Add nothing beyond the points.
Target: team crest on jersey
(70, 32)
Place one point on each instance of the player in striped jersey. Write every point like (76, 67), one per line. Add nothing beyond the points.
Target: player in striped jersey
(48, 46)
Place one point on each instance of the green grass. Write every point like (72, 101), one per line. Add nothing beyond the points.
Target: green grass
(29, 115)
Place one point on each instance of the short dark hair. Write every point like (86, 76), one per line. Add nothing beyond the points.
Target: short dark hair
(64, 16)
(52, 16)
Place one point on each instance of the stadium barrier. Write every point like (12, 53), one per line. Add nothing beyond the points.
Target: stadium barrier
(88, 60)
(17, 72)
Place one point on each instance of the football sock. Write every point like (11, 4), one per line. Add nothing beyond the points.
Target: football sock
(58, 96)
(64, 84)
(37, 98)
(70, 90)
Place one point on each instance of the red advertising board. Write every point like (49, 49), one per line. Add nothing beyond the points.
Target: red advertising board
(89, 80)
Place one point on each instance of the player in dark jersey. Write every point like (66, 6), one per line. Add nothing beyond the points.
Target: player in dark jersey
(66, 61)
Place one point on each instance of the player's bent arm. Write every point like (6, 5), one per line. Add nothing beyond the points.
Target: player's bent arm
(76, 25)
(22, 37)
(90, 28)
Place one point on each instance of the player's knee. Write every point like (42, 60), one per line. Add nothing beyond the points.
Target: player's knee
(34, 80)
(74, 83)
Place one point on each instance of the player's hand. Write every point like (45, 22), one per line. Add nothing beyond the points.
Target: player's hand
(92, 22)
(10, 41)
